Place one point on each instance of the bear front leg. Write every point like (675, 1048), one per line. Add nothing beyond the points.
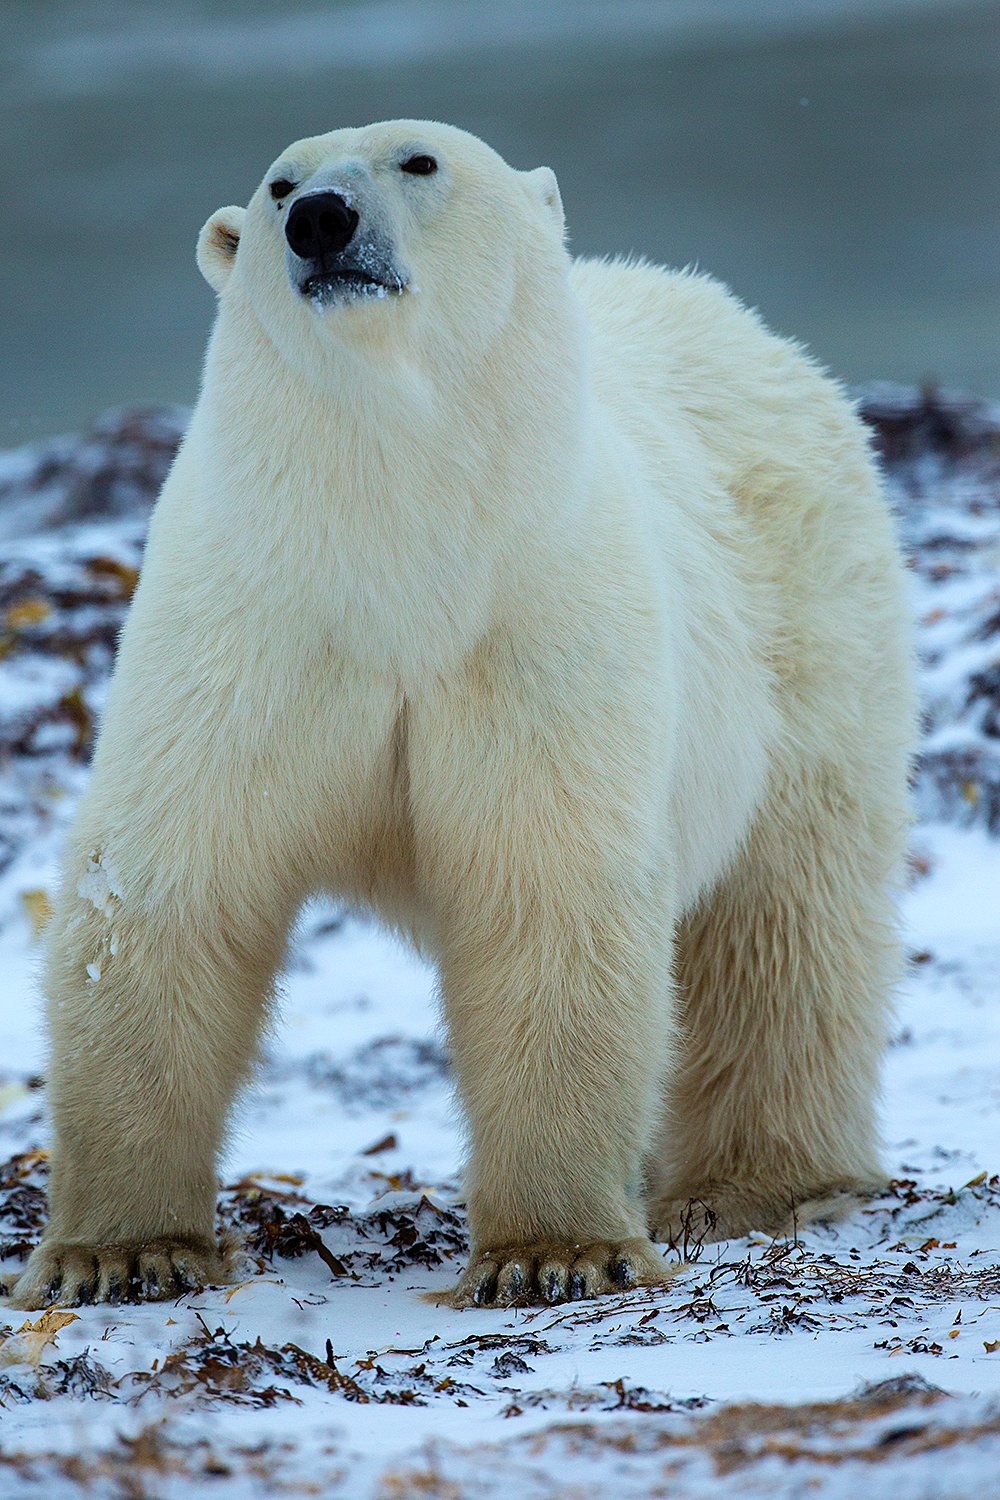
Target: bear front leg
(556, 1025)
(553, 928)
(155, 1004)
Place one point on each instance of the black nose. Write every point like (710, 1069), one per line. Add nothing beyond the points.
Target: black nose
(320, 224)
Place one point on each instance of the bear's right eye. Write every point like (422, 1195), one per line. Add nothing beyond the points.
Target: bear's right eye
(281, 188)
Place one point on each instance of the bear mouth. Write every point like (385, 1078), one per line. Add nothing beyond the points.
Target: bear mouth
(348, 284)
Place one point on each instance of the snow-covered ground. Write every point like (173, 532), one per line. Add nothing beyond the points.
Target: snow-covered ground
(854, 1361)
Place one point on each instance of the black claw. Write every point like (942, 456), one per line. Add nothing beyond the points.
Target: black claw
(115, 1290)
(515, 1282)
(85, 1294)
(53, 1289)
(621, 1271)
(577, 1286)
(486, 1290)
(551, 1290)
(186, 1277)
(151, 1285)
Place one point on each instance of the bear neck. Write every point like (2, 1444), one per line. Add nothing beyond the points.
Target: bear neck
(428, 492)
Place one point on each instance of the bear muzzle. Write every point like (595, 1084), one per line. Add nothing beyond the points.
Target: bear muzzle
(329, 260)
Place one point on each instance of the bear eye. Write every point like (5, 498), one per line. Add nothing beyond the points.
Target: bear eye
(281, 188)
(420, 166)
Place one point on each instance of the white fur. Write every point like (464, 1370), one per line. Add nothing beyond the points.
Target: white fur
(553, 610)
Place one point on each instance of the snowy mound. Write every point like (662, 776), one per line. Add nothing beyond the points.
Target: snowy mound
(941, 456)
(114, 470)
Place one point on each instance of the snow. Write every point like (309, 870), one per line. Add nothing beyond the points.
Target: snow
(851, 1361)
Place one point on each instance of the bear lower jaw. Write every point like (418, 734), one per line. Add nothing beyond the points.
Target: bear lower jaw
(347, 285)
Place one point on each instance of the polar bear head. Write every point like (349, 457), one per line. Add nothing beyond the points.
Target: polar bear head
(403, 230)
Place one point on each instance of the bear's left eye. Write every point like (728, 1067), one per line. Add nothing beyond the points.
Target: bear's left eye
(420, 166)
(281, 188)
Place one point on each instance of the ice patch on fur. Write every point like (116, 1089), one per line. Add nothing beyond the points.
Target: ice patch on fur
(99, 886)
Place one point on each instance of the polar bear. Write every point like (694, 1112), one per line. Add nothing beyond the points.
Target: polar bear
(551, 609)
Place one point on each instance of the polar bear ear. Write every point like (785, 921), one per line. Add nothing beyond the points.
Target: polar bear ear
(218, 243)
(546, 189)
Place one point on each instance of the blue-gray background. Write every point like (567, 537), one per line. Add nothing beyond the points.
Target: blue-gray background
(836, 161)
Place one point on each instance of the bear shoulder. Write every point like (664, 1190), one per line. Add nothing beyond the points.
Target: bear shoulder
(682, 342)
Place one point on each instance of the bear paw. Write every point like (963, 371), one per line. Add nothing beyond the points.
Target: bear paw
(546, 1272)
(726, 1211)
(67, 1275)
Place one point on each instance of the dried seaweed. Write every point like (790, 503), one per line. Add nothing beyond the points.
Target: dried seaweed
(215, 1368)
(23, 1206)
(80, 1377)
(384, 1241)
(941, 454)
(380, 1075)
(114, 470)
(880, 1423)
(609, 1395)
(273, 1224)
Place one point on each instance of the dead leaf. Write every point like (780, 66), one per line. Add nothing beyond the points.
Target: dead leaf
(110, 567)
(387, 1143)
(27, 612)
(32, 1158)
(257, 1281)
(28, 1344)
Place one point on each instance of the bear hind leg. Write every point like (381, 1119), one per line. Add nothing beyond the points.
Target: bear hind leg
(784, 974)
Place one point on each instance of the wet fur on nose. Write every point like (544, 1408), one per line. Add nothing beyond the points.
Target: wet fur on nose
(320, 224)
